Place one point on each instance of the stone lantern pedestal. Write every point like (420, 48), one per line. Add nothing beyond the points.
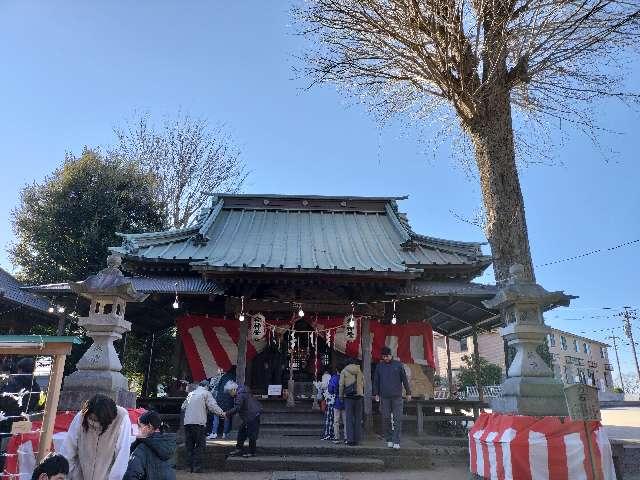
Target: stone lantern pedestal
(98, 371)
(530, 387)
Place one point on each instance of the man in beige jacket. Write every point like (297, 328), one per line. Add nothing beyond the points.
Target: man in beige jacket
(352, 392)
(195, 407)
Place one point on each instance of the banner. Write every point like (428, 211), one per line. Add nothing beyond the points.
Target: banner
(21, 458)
(212, 342)
(505, 447)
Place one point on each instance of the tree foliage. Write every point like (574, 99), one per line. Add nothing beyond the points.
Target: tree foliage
(188, 158)
(64, 225)
(478, 60)
(490, 373)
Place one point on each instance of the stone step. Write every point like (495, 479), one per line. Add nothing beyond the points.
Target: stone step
(265, 463)
(290, 420)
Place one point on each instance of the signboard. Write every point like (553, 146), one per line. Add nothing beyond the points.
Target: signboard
(274, 390)
(582, 402)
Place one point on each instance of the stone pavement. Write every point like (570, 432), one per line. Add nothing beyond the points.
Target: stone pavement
(440, 473)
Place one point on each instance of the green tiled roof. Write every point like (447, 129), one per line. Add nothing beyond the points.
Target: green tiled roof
(361, 234)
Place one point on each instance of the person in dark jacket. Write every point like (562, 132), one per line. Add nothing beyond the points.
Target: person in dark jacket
(248, 409)
(388, 381)
(225, 401)
(152, 452)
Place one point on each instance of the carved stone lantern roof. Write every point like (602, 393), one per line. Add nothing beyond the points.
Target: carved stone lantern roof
(109, 281)
(518, 290)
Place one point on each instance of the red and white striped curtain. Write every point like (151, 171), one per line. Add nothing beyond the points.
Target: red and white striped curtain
(212, 342)
(505, 447)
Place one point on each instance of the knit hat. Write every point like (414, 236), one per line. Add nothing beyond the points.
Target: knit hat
(385, 351)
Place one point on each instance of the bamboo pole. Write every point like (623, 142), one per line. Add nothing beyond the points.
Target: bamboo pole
(51, 406)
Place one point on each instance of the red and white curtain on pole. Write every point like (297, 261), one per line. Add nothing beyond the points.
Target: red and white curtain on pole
(212, 342)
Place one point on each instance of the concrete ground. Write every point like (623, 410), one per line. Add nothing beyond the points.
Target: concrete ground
(622, 423)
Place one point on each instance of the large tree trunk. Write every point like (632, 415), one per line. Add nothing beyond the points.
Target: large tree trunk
(506, 228)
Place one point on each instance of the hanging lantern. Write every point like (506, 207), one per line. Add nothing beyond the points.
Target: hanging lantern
(258, 327)
(350, 333)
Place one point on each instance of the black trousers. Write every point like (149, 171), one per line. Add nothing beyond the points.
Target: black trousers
(195, 439)
(249, 430)
(353, 419)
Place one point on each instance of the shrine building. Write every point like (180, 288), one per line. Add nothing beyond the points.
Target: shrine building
(281, 287)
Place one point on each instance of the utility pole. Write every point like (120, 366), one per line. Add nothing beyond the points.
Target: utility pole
(615, 348)
(627, 315)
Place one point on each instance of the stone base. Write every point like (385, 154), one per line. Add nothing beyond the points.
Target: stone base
(81, 385)
(74, 400)
(534, 396)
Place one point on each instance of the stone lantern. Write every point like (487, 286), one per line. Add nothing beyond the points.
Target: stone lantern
(530, 388)
(98, 371)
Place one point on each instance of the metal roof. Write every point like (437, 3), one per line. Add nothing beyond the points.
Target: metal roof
(11, 289)
(303, 233)
(181, 285)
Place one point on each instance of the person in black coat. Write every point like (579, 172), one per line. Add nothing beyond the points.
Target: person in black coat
(152, 452)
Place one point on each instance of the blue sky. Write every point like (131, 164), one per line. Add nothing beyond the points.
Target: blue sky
(73, 70)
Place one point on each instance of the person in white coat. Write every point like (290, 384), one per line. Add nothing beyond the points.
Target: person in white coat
(98, 441)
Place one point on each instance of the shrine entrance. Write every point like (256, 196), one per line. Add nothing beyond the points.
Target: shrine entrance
(306, 358)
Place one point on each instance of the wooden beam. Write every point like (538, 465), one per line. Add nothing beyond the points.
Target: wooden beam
(365, 339)
(51, 406)
(449, 372)
(241, 367)
(53, 348)
(476, 365)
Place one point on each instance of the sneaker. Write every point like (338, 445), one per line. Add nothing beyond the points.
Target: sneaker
(212, 436)
(390, 444)
(337, 441)
(248, 455)
(235, 452)
(396, 446)
(326, 438)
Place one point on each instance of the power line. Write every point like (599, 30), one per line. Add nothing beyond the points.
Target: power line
(592, 252)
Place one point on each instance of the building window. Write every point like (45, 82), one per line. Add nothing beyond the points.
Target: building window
(552, 340)
(563, 342)
(576, 347)
(464, 344)
(568, 376)
(585, 348)
(602, 353)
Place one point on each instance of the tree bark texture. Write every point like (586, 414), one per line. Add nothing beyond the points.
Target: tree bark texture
(491, 133)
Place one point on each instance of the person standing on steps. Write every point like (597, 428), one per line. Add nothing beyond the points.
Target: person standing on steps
(338, 408)
(351, 393)
(195, 407)
(388, 381)
(249, 410)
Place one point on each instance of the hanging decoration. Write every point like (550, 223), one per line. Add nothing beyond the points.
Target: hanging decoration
(300, 310)
(394, 320)
(258, 327)
(241, 316)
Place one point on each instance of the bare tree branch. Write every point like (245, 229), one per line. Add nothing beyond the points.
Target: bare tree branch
(188, 158)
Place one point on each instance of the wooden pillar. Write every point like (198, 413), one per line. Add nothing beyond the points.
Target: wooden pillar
(241, 367)
(51, 406)
(365, 339)
(449, 373)
(476, 365)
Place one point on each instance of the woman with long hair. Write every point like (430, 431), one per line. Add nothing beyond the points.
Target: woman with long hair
(98, 441)
(152, 452)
